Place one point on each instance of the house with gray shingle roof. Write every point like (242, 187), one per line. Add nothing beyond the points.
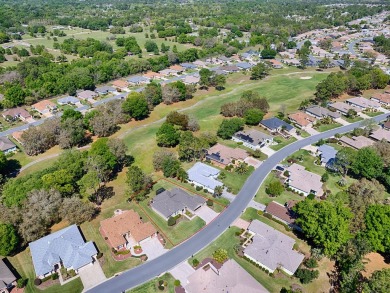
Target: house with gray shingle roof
(65, 248)
(244, 65)
(68, 100)
(7, 278)
(272, 249)
(204, 176)
(7, 146)
(137, 80)
(103, 90)
(170, 203)
(253, 138)
(274, 124)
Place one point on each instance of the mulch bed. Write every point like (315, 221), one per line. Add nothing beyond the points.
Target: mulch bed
(48, 284)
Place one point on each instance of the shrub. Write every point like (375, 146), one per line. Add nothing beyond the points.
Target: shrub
(176, 283)
(54, 276)
(20, 283)
(195, 262)
(37, 282)
(198, 188)
(311, 263)
(306, 276)
(210, 203)
(311, 196)
(220, 255)
(171, 221)
(99, 255)
(268, 216)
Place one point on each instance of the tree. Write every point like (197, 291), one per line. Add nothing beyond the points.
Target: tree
(170, 94)
(220, 255)
(324, 63)
(377, 232)
(14, 96)
(268, 53)
(367, 163)
(218, 190)
(8, 239)
(153, 94)
(205, 76)
(345, 158)
(190, 147)
(326, 223)
(218, 81)
(159, 157)
(379, 282)
(306, 276)
(151, 46)
(75, 211)
(259, 71)
(167, 135)
(137, 180)
(136, 106)
(275, 188)
(72, 132)
(178, 119)
(303, 54)
(253, 116)
(242, 168)
(230, 127)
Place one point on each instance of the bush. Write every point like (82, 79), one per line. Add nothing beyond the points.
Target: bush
(311, 263)
(195, 262)
(306, 276)
(198, 188)
(176, 283)
(171, 221)
(37, 282)
(54, 276)
(209, 203)
(20, 283)
(99, 255)
(311, 196)
(268, 216)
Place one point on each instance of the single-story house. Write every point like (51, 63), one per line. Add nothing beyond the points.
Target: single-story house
(357, 142)
(152, 75)
(7, 278)
(274, 124)
(188, 66)
(272, 249)
(17, 135)
(204, 176)
(64, 248)
(229, 68)
(386, 125)
(222, 155)
(16, 113)
(229, 277)
(253, 138)
(327, 154)
(218, 70)
(199, 63)
(167, 72)
(191, 79)
(44, 107)
(303, 181)
(244, 65)
(104, 90)
(321, 112)
(87, 95)
(170, 203)
(343, 108)
(7, 146)
(138, 80)
(363, 103)
(177, 68)
(380, 134)
(283, 213)
(120, 84)
(301, 119)
(276, 64)
(383, 99)
(68, 100)
(125, 225)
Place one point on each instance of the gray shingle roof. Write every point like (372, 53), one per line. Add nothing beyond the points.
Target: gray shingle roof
(244, 65)
(204, 175)
(6, 144)
(275, 123)
(68, 100)
(104, 89)
(327, 153)
(6, 275)
(66, 245)
(272, 248)
(172, 201)
(252, 136)
(137, 79)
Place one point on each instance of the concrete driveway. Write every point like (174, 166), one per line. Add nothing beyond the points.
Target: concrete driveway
(342, 121)
(92, 275)
(311, 131)
(267, 150)
(182, 271)
(206, 214)
(153, 248)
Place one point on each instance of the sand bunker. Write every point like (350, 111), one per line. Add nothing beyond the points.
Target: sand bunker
(305, 77)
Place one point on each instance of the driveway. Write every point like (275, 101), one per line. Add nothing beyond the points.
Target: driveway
(341, 121)
(181, 272)
(253, 162)
(267, 150)
(256, 205)
(153, 248)
(311, 131)
(364, 116)
(92, 275)
(206, 214)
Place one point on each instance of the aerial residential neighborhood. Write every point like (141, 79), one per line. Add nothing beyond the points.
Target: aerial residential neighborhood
(194, 146)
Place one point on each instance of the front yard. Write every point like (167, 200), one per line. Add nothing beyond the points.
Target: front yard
(326, 127)
(282, 142)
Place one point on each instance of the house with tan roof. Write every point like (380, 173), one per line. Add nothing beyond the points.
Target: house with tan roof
(223, 156)
(177, 68)
(230, 277)
(363, 103)
(16, 113)
(152, 75)
(276, 64)
(301, 119)
(44, 107)
(343, 108)
(283, 213)
(357, 142)
(168, 72)
(17, 135)
(380, 134)
(120, 84)
(383, 99)
(126, 227)
(272, 249)
(303, 181)
(87, 95)
(321, 112)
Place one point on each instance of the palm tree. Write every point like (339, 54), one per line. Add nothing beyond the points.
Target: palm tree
(242, 168)
(218, 190)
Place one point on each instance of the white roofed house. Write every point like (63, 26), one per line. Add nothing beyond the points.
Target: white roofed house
(7, 146)
(303, 181)
(363, 103)
(204, 176)
(272, 249)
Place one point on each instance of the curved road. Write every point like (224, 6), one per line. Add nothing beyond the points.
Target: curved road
(149, 270)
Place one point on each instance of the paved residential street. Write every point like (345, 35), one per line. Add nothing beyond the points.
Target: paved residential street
(149, 270)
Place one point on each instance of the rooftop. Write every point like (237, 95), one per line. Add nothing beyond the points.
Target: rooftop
(275, 123)
(252, 136)
(380, 134)
(172, 201)
(301, 118)
(280, 211)
(224, 154)
(304, 180)
(6, 144)
(18, 111)
(322, 112)
(126, 222)
(363, 102)
(328, 153)
(344, 107)
(6, 275)
(357, 142)
(204, 175)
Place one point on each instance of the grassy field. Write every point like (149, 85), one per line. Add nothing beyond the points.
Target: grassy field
(152, 286)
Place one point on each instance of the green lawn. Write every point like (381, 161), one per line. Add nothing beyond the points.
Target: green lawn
(352, 120)
(282, 142)
(152, 286)
(326, 127)
(373, 114)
